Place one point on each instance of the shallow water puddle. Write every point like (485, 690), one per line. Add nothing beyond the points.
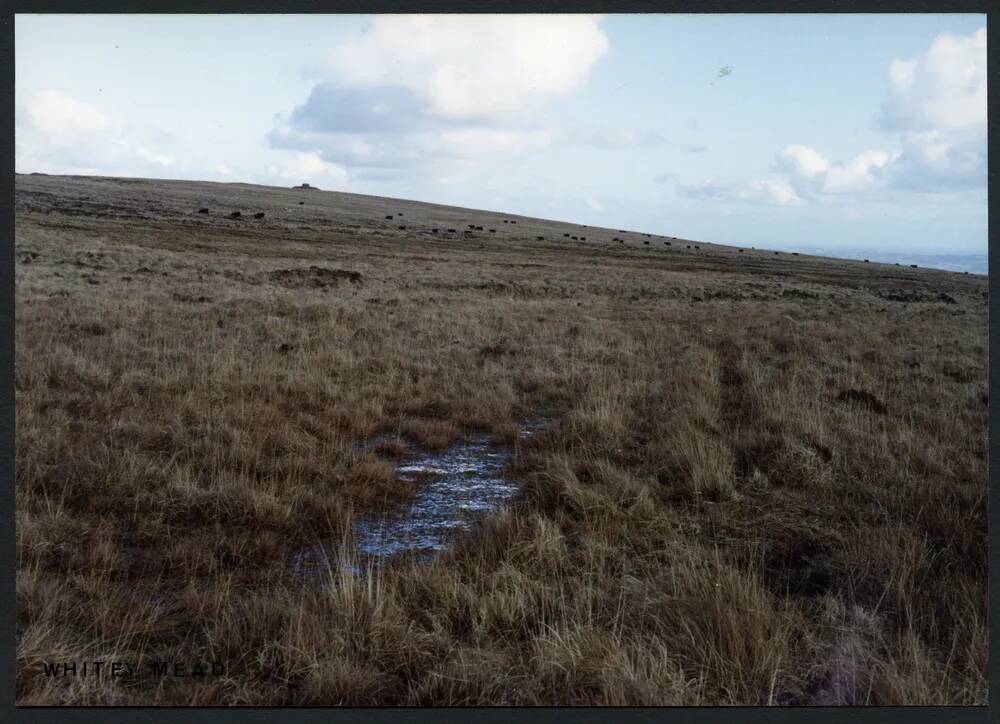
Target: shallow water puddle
(457, 487)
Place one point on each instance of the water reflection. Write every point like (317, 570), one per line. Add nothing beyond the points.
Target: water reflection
(457, 486)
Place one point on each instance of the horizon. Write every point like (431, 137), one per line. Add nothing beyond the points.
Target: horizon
(972, 262)
(851, 133)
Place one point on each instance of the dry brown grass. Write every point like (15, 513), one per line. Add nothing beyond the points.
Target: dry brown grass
(707, 519)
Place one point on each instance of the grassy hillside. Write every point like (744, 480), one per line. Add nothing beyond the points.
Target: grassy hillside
(762, 478)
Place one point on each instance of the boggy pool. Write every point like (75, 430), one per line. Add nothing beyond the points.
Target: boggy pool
(456, 487)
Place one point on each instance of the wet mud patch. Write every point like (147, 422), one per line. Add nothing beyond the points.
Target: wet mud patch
(313, 277)
(456, 487)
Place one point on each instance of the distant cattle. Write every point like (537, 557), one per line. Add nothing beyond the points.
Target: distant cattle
(434, 231)
(776, 253)
(696, 246)
(235, 215)
(646, 243)
(493, 231)
(452, 231)
(202, 211)
(479, 228)
(402, 227)
(913, 266)
(667, 243)
(866, 261)
(741, 251)
(389, 217)
(621, 241)
(505, 221)
(583, 238)
(566, 235)
(540, 238)
(259, 215)
(472, 226)
(302, 203)
(688, 246)
(574, 238)
(795, 253)
(512, 221)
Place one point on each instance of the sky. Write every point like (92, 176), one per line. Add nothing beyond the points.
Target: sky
(812, 132)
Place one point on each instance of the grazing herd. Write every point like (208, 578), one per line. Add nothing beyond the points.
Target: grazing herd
(475, 227)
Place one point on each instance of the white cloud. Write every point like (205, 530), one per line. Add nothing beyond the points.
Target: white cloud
(433, 89)
(766, 191)
(811, 174)
(802, 162)
(943, 90)
(56, 133)
(64, 119)
(474, 66)
(938, 103)
(308, 167)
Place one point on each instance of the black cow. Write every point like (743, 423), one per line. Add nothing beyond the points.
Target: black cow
(452, 231)
(402, 227)
(493, 231)
(866, 261)
(389, 217)
(646, 243)
(259, 215)
(202, 211)
(913, 266)
(666, 243)
(540, 238)
(583, 238)
(235, 215)
(302, 203)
